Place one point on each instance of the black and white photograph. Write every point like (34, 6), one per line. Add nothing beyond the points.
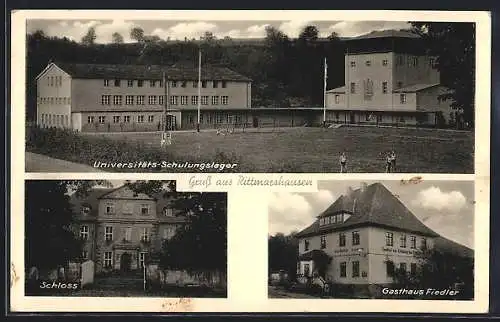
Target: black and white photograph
(320, 96)
(124, 239)
(373, 240)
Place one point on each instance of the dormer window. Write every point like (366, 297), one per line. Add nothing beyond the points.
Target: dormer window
(85, 210)
(168, 212)
(334, 219)
(145, 209)
(306, 245)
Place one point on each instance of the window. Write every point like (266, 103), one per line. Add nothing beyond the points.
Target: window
(85, 254)
(160, 83)
(130, 83)
(415, 61)
(215, 100)
(402, 267)
(84, 232)
(368, 89)
(116, 119)
(105, 99)
(306, 245)
(140, 118)
(194, 100)
(152, 99)
(400, 84)
(139, 83)
(368, 63)
(343, 269)
(168, 232)
(402, 98)
(184, 100)
(152, 83)
(127, 234)
(151, 118)
(161, 100)
(204, 100)
(385, 62)
(110, 208)
(353, 64)
(145, 234)
(223, 84)
(413, 269)
(337, 99)
(90, 119)
(307, 269)
(322, 221)
(140, 99)
(353, 88)
(215, 84)
(142, 259)
(145, 209)
(174, 99)
(389, 239)
(167, 212)
(174, 83)
(432, 62)
(204, 84)
(355, 238)
(341, 240)
(102, 119)
(117, 83)
(108, 233)
(423, 243)
(183, 84)
(384, 87)
(106, 82)
(413, 242)
(128, 209)
(108, 259)
(400, 60)
(224, 100)
(323, 242)
(126, 119)
(402, 241)
(129, 100)
(355, 269)
(389, 268)
(195, 84)
(117, 100)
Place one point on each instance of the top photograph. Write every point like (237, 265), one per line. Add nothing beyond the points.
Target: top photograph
(250, 96)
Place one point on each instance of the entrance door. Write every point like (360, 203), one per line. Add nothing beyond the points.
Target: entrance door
(255, 121)
(125, 262)
(352, 118)
(171, 122)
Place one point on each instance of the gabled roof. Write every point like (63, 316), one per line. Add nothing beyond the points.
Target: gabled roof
(414, 88)
(149, 72)
(374, 205)
(387, 34)
(91, 200)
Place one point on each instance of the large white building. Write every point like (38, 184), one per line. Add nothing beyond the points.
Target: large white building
(389, 79)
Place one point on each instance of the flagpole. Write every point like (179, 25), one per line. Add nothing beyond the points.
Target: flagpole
(199, 90)
(324, 93)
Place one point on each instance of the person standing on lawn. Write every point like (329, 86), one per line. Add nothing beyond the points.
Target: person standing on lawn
(388, 163)
(393, 161)
(343, 162)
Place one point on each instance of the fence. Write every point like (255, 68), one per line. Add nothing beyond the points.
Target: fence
(158, 276)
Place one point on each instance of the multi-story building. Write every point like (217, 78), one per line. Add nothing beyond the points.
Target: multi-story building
(389, 79)
(91, 97)
(367, 233)
(121, 228)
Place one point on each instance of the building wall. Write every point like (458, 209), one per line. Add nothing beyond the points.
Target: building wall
(427, 100)
(336, 101)
(109, 124)
(407, 74)
(54, 98)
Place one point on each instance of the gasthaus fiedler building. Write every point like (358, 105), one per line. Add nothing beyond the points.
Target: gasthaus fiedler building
(120, 228)
(389, 79)
(367, 233)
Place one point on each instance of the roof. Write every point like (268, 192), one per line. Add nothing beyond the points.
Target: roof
(374, 205)
(312, 254)
(414, 88)
(390, 33)
(147, 72)
(340, 89)
(91, 199)
(449, 246)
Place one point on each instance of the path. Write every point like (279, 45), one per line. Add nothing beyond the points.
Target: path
(41, 163)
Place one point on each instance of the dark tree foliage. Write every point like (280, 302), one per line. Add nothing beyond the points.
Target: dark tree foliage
(50, 239)
(90, 37)
(202, 244)
(282, 254)
(453, 43)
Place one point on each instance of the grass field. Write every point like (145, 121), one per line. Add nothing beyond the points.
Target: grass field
(318, 149)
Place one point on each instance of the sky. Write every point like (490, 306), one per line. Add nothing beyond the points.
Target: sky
(76, 29)
(447, 207)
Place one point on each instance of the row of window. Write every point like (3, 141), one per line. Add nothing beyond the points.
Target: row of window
(54, 119)
(160, 100)
(128, 209)
(154, 83)
(108, 259)
(369, 92)
(390, 268)
(54, 100)
(400, 61)
(54, 81)
(355, 238)
(118, 119)
(126, 233)
(338, 218)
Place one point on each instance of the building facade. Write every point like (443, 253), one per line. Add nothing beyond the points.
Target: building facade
(89, 97)
(121, 229)
(389, 79)
(367, 233)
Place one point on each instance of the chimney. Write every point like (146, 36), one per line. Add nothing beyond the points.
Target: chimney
(363, 187)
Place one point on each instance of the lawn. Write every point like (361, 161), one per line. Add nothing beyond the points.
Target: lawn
(318, 149)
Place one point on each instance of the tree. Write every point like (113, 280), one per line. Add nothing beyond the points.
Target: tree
(208, 36)
(309, 33)
(90, 37)
(282, 254)
(137, 33)
(453, 43)
(117, 38)
(50, 239)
